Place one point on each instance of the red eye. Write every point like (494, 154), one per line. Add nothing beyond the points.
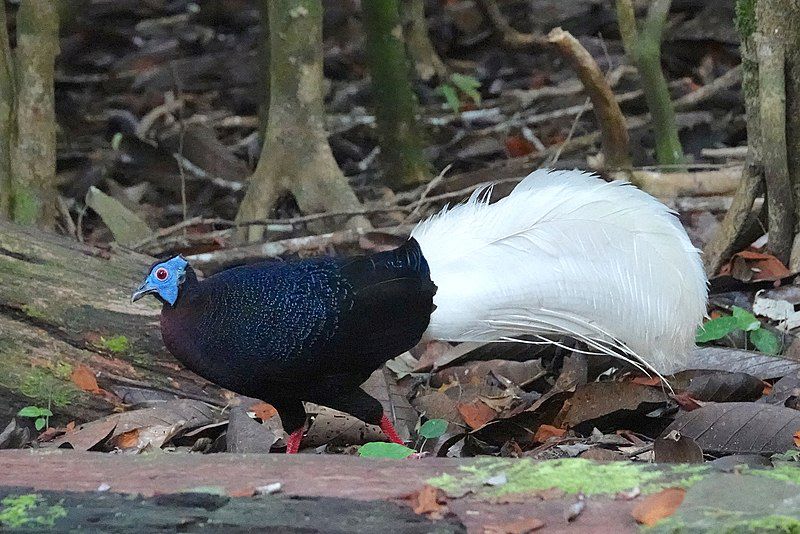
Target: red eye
(161, 274)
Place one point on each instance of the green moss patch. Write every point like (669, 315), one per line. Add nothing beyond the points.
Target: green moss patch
(29, 510)
(32, 311)
(573, 475)
(116, 343)
(785, 473)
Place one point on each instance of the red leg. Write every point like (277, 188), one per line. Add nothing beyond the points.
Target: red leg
(389, 430)
(293, 443)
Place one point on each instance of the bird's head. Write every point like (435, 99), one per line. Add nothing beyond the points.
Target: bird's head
(163, 281)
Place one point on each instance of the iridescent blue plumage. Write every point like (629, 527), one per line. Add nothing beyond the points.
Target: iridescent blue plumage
(310, 330)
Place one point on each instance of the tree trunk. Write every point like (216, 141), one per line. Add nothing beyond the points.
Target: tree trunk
(740, 217)
(395, 103)
(427, 62)
(6, 117)
(33, 156)
(64, 305)
(777, 28)
(296, 156)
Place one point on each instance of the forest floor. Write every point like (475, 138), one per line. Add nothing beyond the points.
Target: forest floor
(153, 96)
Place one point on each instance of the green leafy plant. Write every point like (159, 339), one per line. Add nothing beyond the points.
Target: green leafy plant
(761, 338)
(459, 84)
(380, 449)
(432, 429)
(41, 416)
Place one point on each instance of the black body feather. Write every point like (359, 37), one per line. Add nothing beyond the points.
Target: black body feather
(310, 330)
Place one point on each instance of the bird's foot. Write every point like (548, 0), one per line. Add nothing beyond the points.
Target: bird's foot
(293, 443)
(388, 428)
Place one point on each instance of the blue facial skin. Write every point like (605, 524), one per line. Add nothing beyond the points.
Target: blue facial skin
(167, 286)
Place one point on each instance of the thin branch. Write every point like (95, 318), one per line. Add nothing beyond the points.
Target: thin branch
(511, 38)
(614, 131)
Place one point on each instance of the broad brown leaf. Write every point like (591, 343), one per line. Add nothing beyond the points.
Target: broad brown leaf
(476, 413)
(155, 425)
(545, 432)
(428, 500)
(751, 266)
(263, 410)
(658, 506)
(84, 378)
(739, 427)
(127, 440)
(675, 448)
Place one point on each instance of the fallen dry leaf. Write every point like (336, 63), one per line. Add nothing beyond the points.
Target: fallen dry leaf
(127, 440)
(686, 401)
(263, 410)
(476, 413)
(428, 500)
(50, 434)
(155, 425)
(87, 435)
(739, 427)
(675, 448)
(333, 426)
(545, 432)
(797, 439)
(596, 400)
(751, 266)
(517, 146)
(520, 526)
(658, 506)
(84, 378)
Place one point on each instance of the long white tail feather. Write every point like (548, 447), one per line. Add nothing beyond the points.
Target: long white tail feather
(567, 253)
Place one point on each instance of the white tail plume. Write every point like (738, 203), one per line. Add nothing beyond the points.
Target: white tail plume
(567, 253)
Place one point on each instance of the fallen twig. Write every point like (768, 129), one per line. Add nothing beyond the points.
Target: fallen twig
(688, 101)
(668, 185)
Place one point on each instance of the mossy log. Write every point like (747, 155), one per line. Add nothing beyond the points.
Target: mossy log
(56, 491)
(65, 305)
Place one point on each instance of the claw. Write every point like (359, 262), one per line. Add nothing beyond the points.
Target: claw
(388, 429)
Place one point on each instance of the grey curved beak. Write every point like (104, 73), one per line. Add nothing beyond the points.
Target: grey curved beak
(143, 290)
